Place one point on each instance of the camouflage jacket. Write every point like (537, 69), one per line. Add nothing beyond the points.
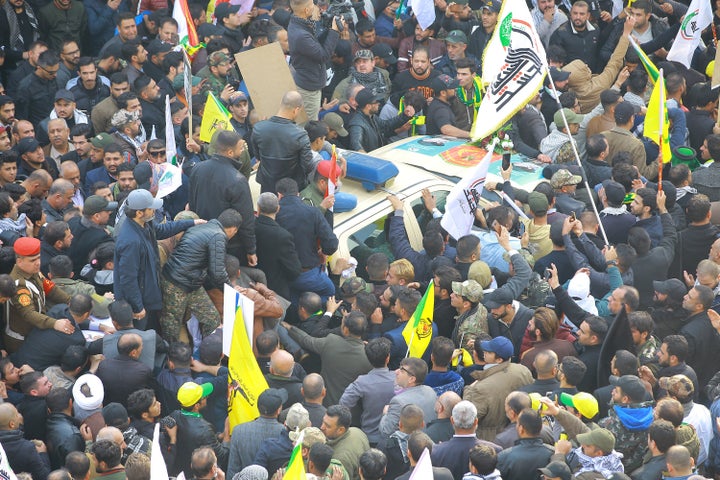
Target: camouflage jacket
(469, 325)
(648, 351)
(629, 424)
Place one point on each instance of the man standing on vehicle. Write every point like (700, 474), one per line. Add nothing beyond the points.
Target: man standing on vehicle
(367, 131)
(308, 56)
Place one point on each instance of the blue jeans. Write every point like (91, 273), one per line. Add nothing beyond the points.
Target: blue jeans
(313, 280)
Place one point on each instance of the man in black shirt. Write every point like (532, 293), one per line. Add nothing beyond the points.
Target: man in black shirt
(440, 116)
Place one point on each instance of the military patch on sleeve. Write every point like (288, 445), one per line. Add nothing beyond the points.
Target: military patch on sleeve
(24, 299)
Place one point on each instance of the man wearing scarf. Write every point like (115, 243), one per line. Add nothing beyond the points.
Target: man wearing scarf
(595, 454)
(18, 30)
(629, 419)
(365, 73)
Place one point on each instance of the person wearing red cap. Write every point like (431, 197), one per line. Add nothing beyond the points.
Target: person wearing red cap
(314, 193)
(26, 309)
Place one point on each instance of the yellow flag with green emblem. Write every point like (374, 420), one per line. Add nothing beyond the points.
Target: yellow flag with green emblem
(418, 330)
(215, 117)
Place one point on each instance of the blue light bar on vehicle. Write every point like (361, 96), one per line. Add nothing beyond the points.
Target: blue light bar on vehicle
(370, 171)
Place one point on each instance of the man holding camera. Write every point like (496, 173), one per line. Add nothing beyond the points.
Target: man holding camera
(309, 55)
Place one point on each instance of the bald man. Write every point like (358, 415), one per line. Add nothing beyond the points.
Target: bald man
(23, 455)
(114, 435)
(37, 183)
(70, 171)
(441, 429)
(313, 392)
(280, 376)
(125, 373)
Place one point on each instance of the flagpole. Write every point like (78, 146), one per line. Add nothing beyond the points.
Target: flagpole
(577, 157)
(661, 118)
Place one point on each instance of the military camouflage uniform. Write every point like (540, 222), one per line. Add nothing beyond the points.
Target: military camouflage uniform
(176, 302)
(631, 443)
(647, 354)
(26, 310)
(469, 325)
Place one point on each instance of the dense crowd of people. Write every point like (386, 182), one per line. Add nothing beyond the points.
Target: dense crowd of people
(567, 341)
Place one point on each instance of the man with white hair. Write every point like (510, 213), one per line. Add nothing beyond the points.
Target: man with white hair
(455, 453)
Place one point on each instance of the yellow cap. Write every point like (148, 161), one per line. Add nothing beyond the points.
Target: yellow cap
(191, 393)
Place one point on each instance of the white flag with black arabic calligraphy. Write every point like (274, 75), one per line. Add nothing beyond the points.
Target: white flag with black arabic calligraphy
(514, 65)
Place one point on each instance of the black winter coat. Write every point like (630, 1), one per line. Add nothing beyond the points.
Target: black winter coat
(22, 455)
(63, 437)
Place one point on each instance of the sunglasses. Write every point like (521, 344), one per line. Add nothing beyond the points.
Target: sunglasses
(157, 153)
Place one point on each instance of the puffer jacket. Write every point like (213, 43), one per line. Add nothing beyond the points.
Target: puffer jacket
(309, 57)
(200, 254)
(22, 455)
(283, 149)
(63, 437)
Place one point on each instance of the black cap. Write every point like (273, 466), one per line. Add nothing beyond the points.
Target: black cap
(671, 287)
(631, 386)
(365, 97)
(624, 111)
(614, 192)
(157, 46)
(26, 145)
(115, 415)
(384, 51)
(270, 400)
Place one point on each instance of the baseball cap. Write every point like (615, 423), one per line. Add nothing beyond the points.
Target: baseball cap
(624, 111)
(27, 246)
(27, 145)
(324, 168)
(614, 192)
(191, 393)
(583, 402)
(123, 117)
(598, 437)
(216, 58)
(631, 386)
(556, 470)
(158, 46)
(365, 97)
(353, 286)
(384, 51)
(672, 287)
(224, 9)
(141, 199)
(563, 177)
(469, 289)
(270, 400)
(609, 97)
(445, 82)
(492, 5)
(238, 97)
(102, 140)
(313, 435)
(142, 173)
(570, 116)
(500, 346)
(206, 29)
(96, 204)
(364, 53)
(115, 414)
(456, 36)
(179, 81)
(498, 298)
(678, 386)
(66, 95)
(558, 75)
(538, 203)
(480, 272)
(297, 418)
(335, 122)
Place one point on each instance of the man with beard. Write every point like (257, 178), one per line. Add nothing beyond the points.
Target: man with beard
(367, 132)
(579, 37)
(421, 76)
(36, 92)
(33, 158)
(113, 156)
(96, 155)
(63, 107)
(127, 125)
(103, 112)
(365, 73)
(7, 111)
(69, 58)
(547, 17)
(135, 55)
(408, 45)
(699, 333)
(153, 107)
(671, 358)
(481, 35)
(88, 91)
(80, 139)
(440, 116)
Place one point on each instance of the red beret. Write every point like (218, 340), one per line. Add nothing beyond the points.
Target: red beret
(27, 247)
(323, 168)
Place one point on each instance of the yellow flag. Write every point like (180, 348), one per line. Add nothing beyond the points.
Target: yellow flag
(245, 380)
(216, 117)
(656, 119)
(418, 330)
(296, 467)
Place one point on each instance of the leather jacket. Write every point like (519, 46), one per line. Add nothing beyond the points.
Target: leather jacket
(369, 133)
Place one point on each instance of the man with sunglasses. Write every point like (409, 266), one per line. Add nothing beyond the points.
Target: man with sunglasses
(36, 93)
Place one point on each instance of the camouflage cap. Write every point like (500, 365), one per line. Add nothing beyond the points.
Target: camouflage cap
(353, 286)
(480, 272)
(563, 177)
(469, 290)
(678, 386)
(123, 117)
(216, 58)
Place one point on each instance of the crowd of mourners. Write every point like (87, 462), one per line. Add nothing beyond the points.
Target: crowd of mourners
(575, 332)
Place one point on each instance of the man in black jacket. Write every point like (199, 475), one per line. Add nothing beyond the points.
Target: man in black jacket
(276, 252)
(230, 189)
(199, 256)
(89, 230)
(579, 38)
(193, 431)
(367, 131)
(308, 56)
(700, 334)
(282, 147)
(63, 435)
(22, 454)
